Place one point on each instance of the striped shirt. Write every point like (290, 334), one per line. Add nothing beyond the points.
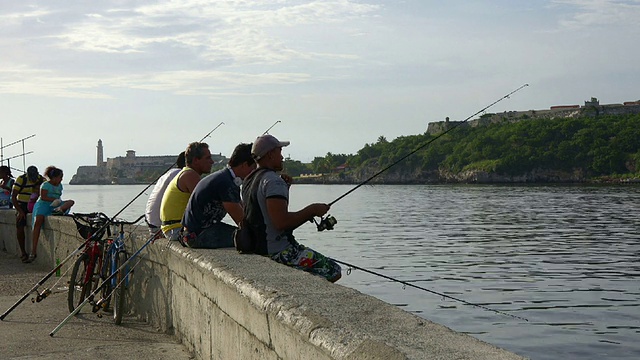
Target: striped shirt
(26, 187)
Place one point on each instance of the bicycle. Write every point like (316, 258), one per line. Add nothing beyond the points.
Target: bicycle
(116, 256)
(85, 275)
(99, 263)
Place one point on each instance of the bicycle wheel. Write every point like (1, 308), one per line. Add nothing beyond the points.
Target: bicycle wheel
(121, 288)
(106, 285)
(78, 290)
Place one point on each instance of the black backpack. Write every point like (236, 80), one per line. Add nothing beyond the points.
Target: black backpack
(251, 236)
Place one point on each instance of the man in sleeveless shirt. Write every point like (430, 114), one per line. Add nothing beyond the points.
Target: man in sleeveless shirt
(152, 213)
(214, 197)
(267, 191)
(176, 196)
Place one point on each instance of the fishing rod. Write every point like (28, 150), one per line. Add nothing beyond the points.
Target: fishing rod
(274, 124)
(46, 277)
(79, 248)
(426, 144)
(91, 296)
(428, 290)
(156, 180)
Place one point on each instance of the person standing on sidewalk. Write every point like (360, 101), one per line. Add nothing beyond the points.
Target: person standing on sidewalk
(24, 186)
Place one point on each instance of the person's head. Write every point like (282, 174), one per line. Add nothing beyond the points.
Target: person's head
(267, 151)
(241, 161)
(5, 172)
(198, 157)
(53, 174)
(180, 161)
(32, 173)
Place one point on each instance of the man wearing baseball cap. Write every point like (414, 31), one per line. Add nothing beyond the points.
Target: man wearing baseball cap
(267, 219)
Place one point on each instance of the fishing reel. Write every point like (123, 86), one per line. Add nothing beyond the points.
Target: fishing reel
(41, 296)
(326, 223)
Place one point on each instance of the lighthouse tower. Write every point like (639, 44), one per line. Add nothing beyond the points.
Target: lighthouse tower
(100, 157)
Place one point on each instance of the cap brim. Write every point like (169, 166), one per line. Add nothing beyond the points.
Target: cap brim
(284, 143)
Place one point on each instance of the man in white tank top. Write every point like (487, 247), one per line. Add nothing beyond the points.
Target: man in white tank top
(152, 213)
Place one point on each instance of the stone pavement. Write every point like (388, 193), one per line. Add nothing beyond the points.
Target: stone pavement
(24, 333)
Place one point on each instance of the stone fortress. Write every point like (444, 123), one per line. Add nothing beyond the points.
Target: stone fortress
(591, 108)
(129, 169)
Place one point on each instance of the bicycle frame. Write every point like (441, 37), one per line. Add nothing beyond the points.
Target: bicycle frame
(116, 245)
(41, 282)
(86, 300)
(95, 252)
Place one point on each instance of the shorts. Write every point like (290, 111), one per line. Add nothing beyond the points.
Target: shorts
(309, 260)
(219, 235)
(24, 207)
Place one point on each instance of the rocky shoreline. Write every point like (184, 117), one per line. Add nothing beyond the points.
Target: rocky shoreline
(467, 177)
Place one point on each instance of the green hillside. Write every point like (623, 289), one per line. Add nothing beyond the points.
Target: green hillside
(540, 150)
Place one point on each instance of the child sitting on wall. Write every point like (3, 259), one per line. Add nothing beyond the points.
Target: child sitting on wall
(49, 203)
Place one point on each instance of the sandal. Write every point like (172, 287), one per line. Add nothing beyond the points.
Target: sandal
(32, 257)
(24, 258)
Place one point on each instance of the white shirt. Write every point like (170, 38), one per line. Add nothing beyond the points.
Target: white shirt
(152, 213)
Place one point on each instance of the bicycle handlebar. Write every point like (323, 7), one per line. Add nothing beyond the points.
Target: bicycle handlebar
(93, 215)
(104, 217)
(123, 222)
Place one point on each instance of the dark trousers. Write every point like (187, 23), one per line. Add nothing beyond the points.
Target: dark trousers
(220, 235)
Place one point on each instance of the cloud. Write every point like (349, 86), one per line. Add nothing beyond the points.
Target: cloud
(187, 47)
(591, 13)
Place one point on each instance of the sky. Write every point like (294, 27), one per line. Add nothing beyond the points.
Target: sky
(332, 75)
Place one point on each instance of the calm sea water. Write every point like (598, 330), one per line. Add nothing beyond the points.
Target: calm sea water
(566, 258)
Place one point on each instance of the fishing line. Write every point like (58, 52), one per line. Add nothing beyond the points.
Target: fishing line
(405, 283)
(428, 290)
(427, 143)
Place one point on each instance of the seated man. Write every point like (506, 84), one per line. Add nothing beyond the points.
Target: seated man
(214, 197)
(176, 196)
(152, 213)
(267, 216)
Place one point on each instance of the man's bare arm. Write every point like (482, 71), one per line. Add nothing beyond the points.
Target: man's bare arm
(235, 211)
(282, 219)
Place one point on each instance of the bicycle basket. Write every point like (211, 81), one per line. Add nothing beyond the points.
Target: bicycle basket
(91, 225)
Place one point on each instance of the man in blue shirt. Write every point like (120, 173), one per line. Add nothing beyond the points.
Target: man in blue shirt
(213, 198)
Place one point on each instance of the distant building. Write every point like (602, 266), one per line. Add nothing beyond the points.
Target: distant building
(594, 102)
(564, 107)
(129, 169)
(591, 108)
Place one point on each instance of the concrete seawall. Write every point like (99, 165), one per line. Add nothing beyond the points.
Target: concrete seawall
(223, 305)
